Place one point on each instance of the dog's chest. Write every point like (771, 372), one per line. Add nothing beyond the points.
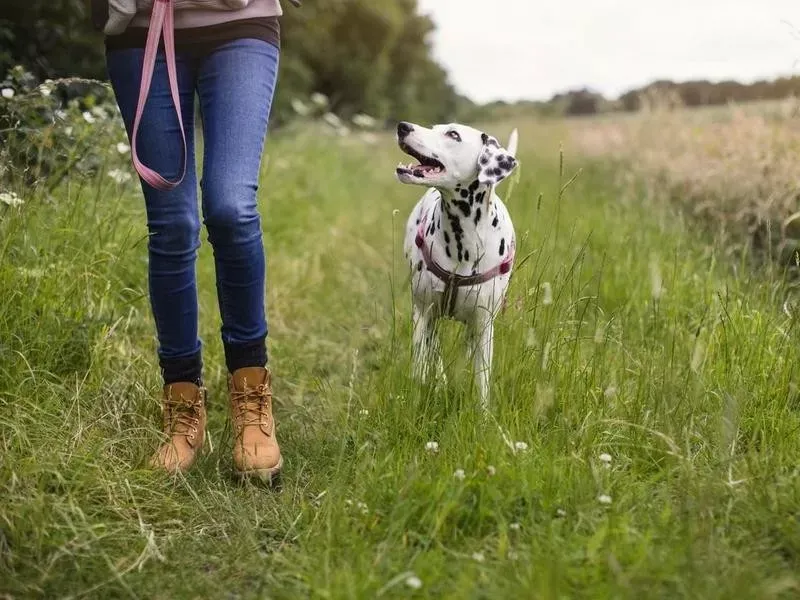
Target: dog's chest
(468, 235)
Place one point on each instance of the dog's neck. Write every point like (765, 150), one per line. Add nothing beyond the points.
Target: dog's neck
(461, 223)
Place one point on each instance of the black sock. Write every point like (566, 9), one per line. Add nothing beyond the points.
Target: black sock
(247, 354)
(185, 368)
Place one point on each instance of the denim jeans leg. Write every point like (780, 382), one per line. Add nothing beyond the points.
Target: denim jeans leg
(172, 216)
(236, 83)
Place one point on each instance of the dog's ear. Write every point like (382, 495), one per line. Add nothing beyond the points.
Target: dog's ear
(495, 163)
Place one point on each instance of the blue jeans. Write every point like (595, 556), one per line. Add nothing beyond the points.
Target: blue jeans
(235, 84)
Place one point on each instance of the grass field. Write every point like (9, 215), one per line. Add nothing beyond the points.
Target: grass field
(644, 438)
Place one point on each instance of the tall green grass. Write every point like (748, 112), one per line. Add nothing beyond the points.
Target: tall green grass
(643, 438)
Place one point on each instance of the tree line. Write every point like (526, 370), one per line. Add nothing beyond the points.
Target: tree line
(365, 56)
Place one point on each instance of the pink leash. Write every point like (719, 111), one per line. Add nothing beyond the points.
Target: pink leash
(161, 21)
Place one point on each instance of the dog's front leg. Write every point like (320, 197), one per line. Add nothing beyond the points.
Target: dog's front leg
(483, 347)
(424, 343)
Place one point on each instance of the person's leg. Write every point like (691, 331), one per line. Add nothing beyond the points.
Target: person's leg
(174, 236)
(236, 84)
(172, 216)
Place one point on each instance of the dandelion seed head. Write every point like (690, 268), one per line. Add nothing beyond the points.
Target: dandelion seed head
(491, 471)
(520, 446)
(478, 557)
(515, 526)
(432, 447)
(605, 457)
(413, 582)
(459, 474)
(604, 499)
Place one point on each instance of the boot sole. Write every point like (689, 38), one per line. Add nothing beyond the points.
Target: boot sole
(266, 475)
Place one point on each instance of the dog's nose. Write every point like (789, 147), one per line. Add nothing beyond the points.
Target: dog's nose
(404, 128)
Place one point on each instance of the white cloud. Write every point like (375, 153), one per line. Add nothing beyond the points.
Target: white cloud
(511, 49)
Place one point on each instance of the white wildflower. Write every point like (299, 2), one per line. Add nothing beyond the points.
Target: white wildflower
(432, 447)
(610, 391)
(491, 471)
(45, 90)
(561, 512)
(515, 527)
(7, 93)
(11, 199)
(300, 107)
(68, 131)
(604, 499)
(119, 175)
(478, 557)
(100, 112)
(547, 293)
(320, 100)
(364, 121)
(605, 458)
(123, 148)
(60, 114)
(459, 474)
(332, 120)
(362, 506)
(520, 446)
(413, 582)
(89, 117)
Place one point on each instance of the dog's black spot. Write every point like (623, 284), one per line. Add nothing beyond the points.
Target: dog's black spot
(466, 254)
(419, 266)
(474, 185)
(477, 215)
(447, 251)
(495, 221)
(502, 246)
(417, 221)
(439, 223)
(506, 164)
(498, 171)
(480, 196)
(484, 138)
(484, 160)
(464, 193)
(463, 207)
(446, 238)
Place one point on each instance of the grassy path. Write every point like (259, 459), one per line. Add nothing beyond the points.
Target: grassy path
(644, 440)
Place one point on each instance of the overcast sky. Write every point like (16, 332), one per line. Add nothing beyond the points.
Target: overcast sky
(531, 49)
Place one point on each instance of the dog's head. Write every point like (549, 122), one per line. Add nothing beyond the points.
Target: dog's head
(451, 155)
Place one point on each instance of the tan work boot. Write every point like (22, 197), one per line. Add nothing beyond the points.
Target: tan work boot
(184, 411)
(255, 447)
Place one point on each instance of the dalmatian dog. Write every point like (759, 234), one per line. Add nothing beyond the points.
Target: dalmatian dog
(459, 239)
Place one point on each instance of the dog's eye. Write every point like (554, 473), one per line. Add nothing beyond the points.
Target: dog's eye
(453, 134)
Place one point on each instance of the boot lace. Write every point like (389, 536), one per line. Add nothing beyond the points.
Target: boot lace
(254, 405)
(181, 416)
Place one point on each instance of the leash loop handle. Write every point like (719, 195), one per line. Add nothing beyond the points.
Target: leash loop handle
(162, 21)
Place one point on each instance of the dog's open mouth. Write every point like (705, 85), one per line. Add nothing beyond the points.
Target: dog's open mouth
(427, 166)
